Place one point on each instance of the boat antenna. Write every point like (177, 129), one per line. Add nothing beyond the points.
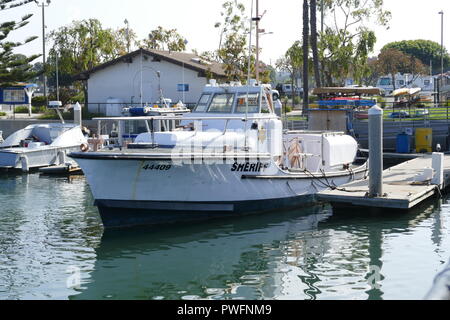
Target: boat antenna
(141, 90)
(246, 148)
(257, 19)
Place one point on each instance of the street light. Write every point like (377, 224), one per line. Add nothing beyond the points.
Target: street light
(127, 34)
(442, 55)
(442, 42)
(43, 5)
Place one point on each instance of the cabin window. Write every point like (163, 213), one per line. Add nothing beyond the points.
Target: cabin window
(202, 105)
(385, 82)
(265, 108)
(253, 103)
(426, 82)
(222, 103)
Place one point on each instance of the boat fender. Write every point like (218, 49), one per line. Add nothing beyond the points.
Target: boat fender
(84, 147)
(25, 164)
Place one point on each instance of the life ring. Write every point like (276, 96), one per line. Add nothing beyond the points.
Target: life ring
(84, 147)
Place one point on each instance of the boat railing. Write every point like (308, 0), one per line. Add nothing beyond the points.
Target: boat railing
(154, 124)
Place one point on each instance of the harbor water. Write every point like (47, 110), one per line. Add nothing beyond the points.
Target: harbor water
(53, 246)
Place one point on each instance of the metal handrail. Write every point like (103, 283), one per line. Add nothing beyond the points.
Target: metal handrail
(268, 116)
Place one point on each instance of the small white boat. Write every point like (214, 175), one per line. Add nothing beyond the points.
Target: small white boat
(406, 92)
(230, 156)
(40, 145)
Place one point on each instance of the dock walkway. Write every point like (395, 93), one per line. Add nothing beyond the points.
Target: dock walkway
(403, 187)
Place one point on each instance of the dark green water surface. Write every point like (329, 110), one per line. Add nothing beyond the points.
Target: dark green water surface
(50, 234)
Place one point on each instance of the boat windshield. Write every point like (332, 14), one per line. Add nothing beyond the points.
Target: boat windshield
(253, 103)
(221, 103)
(202, 105)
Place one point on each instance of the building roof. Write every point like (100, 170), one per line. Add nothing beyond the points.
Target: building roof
(16, 85)
(188, 60)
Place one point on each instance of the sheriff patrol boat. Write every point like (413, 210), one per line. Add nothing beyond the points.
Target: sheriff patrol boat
(230, 156)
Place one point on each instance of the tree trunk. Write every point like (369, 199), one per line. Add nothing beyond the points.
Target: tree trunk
(314, 43)
(305, 57)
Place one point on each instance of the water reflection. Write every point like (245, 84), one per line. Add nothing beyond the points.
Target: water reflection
(231, 258)
(48, 224)
(367, 232)
(308, 254)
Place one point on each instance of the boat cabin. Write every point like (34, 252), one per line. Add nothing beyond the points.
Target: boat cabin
(237, 101)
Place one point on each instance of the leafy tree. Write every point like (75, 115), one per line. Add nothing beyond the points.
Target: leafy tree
(292, 62)
(272, 75)
(83, 45)
(305, 55)
(392, 61)
(373, 74)
(9, 4)
(347, 40)
(416, 68)
(162, 39)
(316, 62)
(125, 38)
(425, 50)
(233, 48)
(14, 67)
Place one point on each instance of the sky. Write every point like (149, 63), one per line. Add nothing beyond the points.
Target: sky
(195, 19)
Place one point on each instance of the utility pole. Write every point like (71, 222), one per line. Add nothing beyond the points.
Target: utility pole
(259, 32)
(57, 76)
(322, 16)
(257, 19)
(43, 6)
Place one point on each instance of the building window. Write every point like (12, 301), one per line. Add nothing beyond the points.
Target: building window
(183, 87)
(401, 82)
(14, 96)
(426, 83)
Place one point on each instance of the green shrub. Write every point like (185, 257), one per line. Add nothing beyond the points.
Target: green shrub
(89, 115)
(52, 115)
(33, 110)
(313, 99)
(2, 114)
(381, 102)
(287, 109)
(40, 101)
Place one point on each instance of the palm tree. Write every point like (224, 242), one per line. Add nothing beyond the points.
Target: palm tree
(314, 43)
(305, 56)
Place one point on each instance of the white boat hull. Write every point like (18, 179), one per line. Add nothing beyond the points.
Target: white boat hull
(40, 145)
(35, 158)
(140, 191)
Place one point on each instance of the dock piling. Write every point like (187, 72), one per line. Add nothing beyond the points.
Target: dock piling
(25, 165)
(77, 114)
(375, 152)
(438, 167)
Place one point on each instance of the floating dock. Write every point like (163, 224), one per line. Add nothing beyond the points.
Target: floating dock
(404, 186)
(61, 170)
